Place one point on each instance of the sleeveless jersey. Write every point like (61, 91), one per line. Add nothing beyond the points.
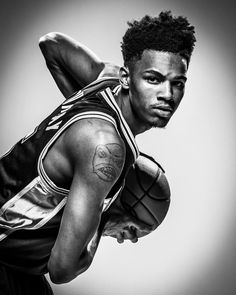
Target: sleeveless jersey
(31, 205)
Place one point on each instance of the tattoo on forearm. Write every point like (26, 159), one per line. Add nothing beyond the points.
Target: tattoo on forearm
(108, 160)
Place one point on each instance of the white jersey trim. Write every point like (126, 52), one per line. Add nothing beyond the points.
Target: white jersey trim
(24, 212)
(85, 115)
(108, 96)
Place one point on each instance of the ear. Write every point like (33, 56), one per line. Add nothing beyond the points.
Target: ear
(124, 77)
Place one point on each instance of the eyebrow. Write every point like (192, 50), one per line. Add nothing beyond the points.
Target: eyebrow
(162, 77)
(181, 77)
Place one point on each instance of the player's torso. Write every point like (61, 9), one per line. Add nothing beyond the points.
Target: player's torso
(31, 203)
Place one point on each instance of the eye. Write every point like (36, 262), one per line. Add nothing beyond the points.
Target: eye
(179, 84)
(101, 153)
(152, 80)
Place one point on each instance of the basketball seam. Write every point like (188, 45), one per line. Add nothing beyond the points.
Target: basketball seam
(141, 186)
(145, 192)
(142, 204)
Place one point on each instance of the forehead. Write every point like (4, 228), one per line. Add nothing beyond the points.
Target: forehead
(166, 63)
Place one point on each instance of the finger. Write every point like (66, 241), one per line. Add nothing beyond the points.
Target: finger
(141, 226)
(129, 234)
(120, 238)
(135, 240)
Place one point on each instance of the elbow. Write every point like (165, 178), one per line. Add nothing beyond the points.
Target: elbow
(62, 273)
(48, 43)
(62, 276)
(48, 37)
(59, 277)
(59, 274)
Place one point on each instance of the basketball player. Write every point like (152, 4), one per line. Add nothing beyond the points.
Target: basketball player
(60, 183)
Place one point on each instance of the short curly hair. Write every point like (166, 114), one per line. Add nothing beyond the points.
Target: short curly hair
(163, 33)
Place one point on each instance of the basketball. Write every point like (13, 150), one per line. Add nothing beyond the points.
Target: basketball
(146, 194)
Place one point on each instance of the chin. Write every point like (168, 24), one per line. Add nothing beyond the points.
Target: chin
(160, 123)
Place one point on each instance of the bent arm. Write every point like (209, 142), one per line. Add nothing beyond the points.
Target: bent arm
(72, 64)
(97, 158)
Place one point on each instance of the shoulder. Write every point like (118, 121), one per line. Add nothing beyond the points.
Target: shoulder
(109, 70)
(89, 138)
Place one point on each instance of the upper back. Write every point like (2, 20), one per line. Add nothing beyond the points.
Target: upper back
(94, 102)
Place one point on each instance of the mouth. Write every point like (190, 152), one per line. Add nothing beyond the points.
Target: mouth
(163, 110)
(105, 171)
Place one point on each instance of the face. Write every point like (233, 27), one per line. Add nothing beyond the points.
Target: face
(156, 87)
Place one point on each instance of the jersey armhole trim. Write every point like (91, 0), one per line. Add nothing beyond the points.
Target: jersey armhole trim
(86, 115)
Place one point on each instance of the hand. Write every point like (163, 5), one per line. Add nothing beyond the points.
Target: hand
(125, 227)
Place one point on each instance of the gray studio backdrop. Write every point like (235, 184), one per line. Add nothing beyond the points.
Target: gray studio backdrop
(193, 251)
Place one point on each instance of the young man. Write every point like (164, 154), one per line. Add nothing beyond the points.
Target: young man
(59, 184)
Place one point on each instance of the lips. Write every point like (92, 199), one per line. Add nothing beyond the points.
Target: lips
(163, 107)
(163, 110)
(105, 171)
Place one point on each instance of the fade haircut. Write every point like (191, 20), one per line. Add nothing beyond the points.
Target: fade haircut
(163, 33)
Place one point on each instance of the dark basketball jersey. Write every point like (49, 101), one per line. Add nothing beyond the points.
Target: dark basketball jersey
(31, 205)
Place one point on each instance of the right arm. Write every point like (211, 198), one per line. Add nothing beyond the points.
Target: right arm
(96, 156)
(72, 64)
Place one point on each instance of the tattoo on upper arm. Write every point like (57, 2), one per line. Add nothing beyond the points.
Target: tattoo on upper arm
(107, 161)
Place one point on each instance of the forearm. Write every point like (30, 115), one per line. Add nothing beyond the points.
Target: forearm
(77, 265)
(90, 251)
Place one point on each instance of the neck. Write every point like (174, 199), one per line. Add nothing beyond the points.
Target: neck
(123, 101)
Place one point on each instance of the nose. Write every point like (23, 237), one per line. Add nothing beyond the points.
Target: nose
(166, 91)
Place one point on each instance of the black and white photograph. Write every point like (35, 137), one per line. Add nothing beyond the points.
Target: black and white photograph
(118, 147)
